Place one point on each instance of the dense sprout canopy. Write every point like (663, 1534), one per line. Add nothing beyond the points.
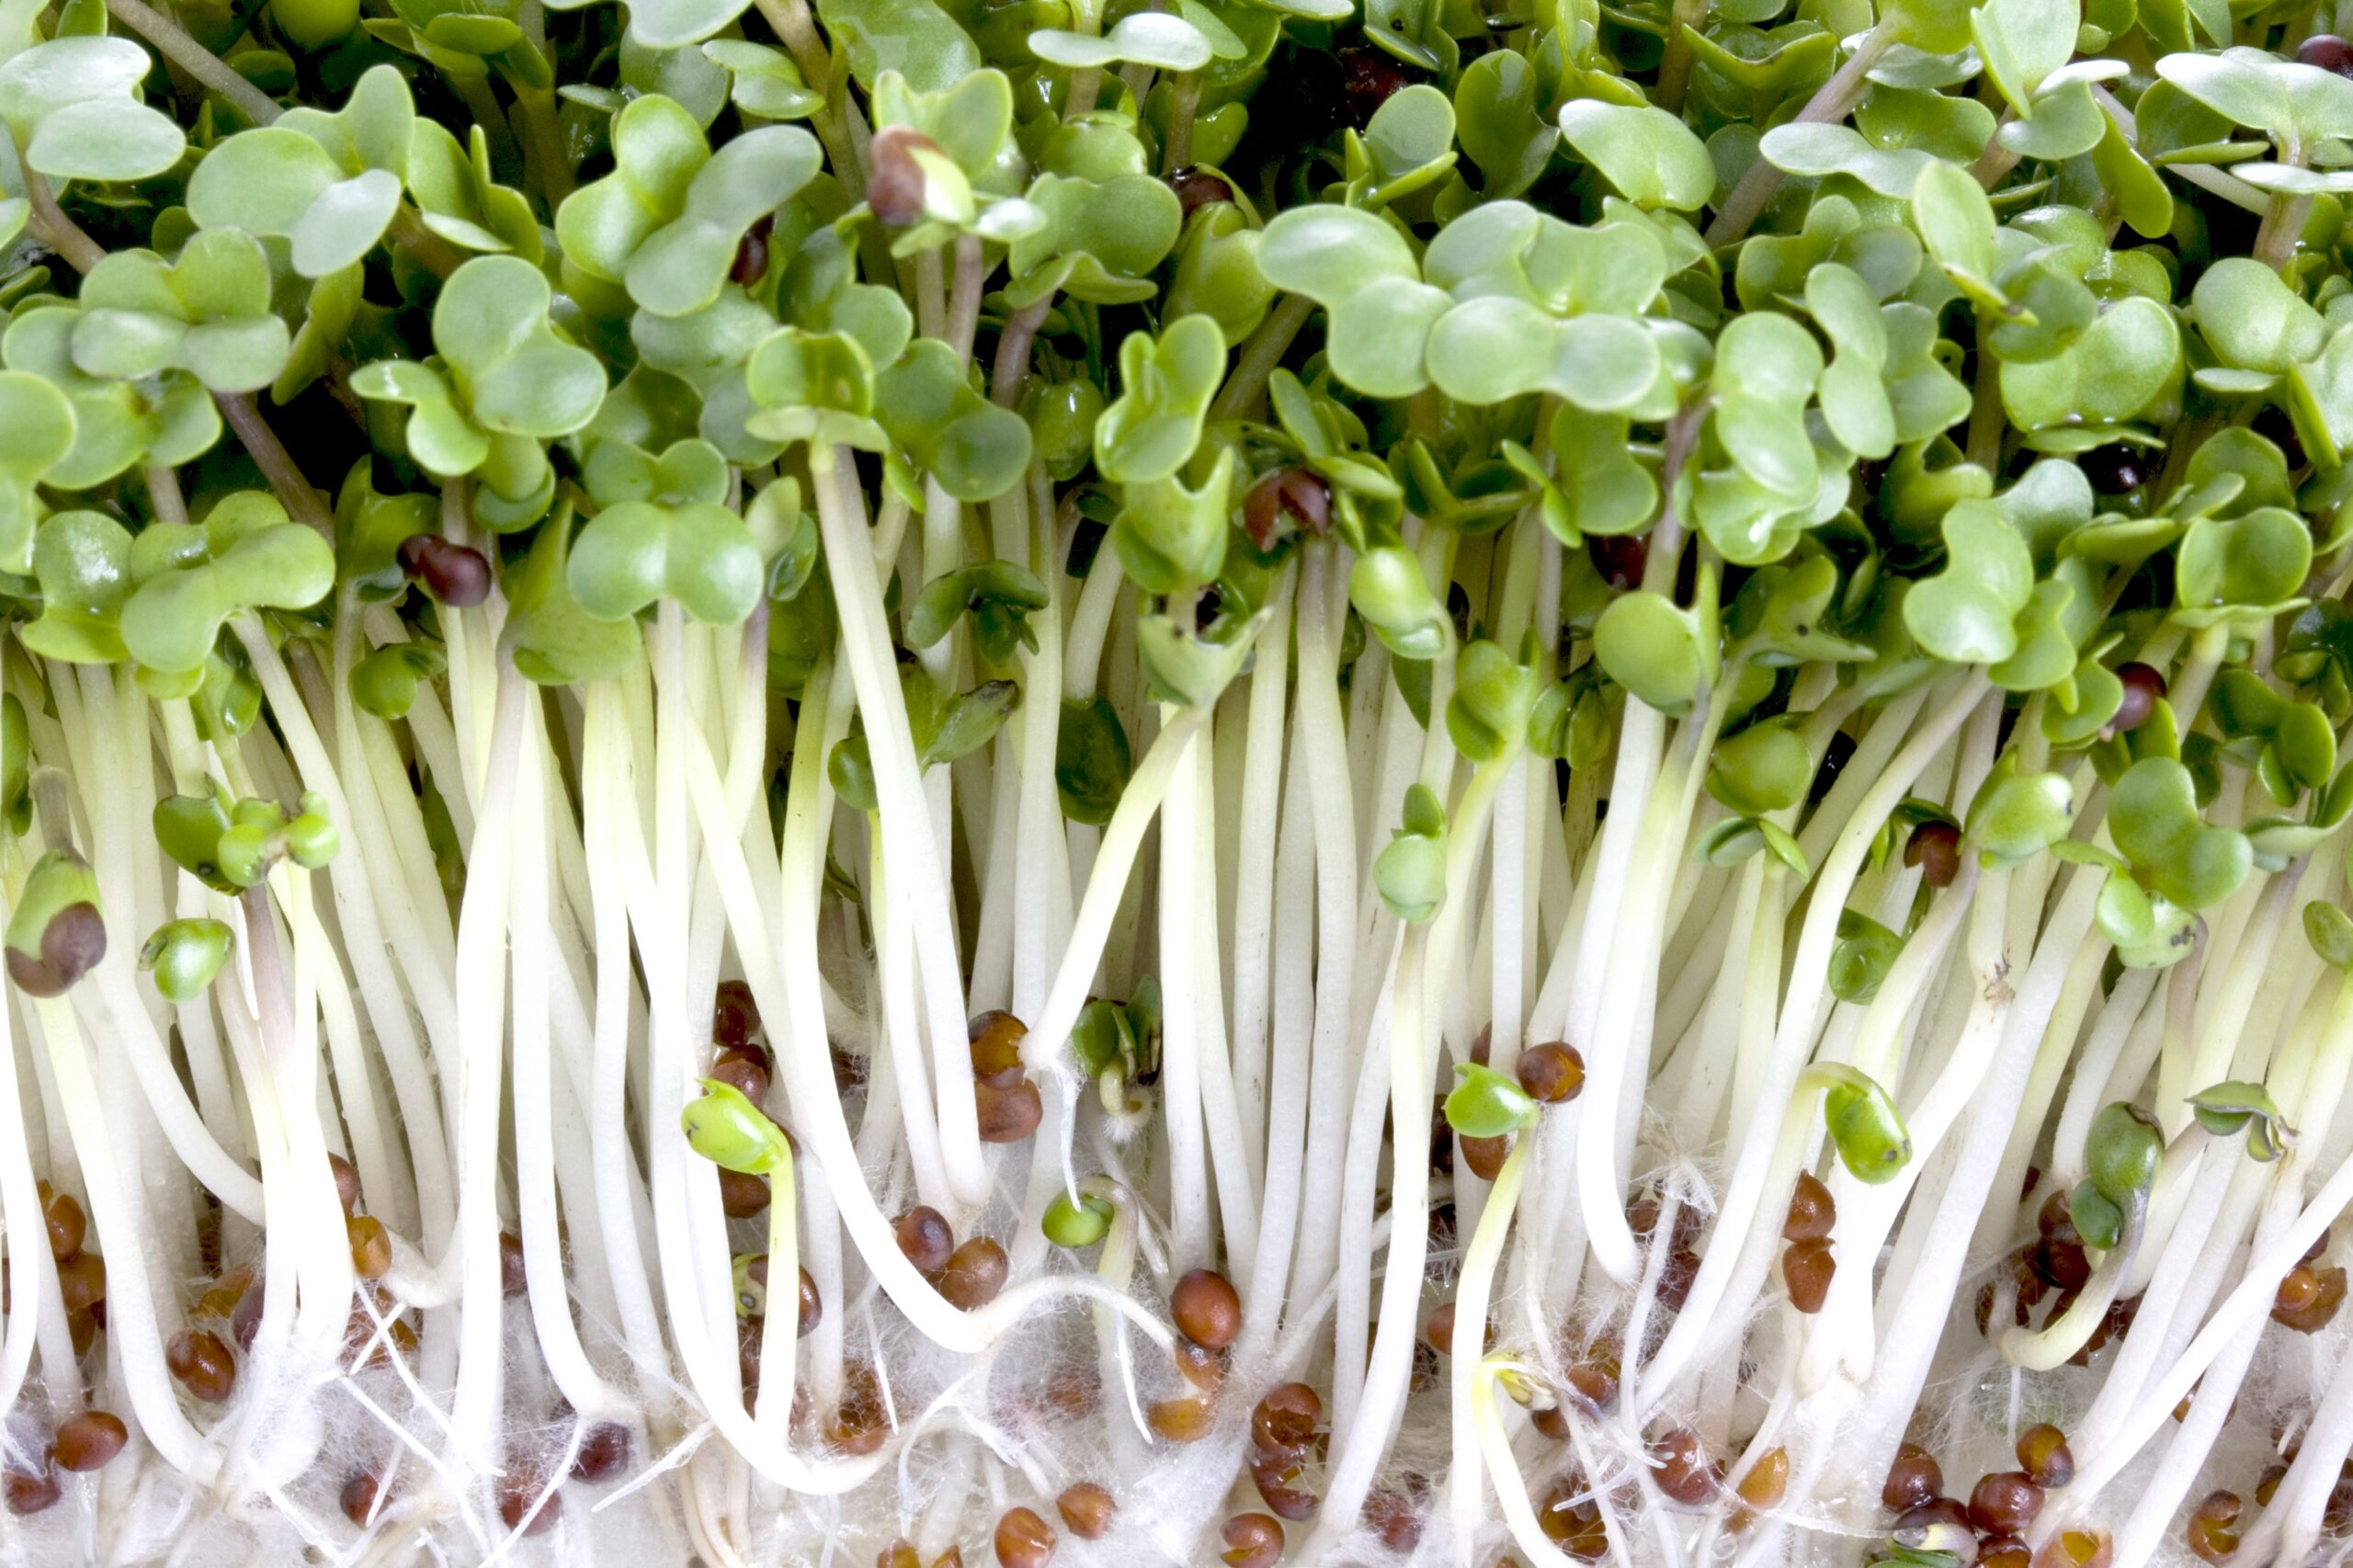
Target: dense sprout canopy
(1409, 782)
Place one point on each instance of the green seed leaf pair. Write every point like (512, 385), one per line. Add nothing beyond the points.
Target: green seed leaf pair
(192, 577)
(666, 222)
(998, 595)
(2226, 1109)
(73, 108)
(327, 183)
(206, 312)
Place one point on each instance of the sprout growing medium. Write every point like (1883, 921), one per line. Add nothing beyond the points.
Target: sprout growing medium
(1176, 782)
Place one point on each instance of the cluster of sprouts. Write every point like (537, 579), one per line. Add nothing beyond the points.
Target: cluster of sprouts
(1240, 781)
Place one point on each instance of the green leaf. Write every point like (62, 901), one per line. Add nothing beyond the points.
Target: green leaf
(83, 562)
(2153, 815)
(915, 38)
(1654, 649)
(551, 639)
(701, 554)
(39, 420)
(192, 577)
(976, 450)
(207, 314)
(1164, 391)
(70, 103)
(1092, 760)
(2116, 369)
(1156, 39)
(2253, 320)
(1648, 154)
(2022, 41)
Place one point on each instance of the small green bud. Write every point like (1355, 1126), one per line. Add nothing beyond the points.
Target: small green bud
(310, 839)
(55, 934)
(183, 957)
(2097, 1217)
(243, 853)
(728, 1130)
(1074, 1225)
(2123, 1151)
(1864, 1124)
(1487, 1104)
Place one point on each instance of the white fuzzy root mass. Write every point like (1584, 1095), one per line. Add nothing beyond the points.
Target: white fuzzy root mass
(510, 1062)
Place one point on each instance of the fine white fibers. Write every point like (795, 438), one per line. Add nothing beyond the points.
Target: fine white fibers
(552, 916)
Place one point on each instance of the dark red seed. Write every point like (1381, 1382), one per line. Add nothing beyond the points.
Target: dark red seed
(925, 1237)
(751, 261)
(1207, 1309)
(245, 1316)
(2003, 1551)
(1935, 847)
(1807, 1268)
(1394, 1518)
(203, 1364)
(2328, 51)
(742, 1195)
(1276, 1475)
(813, 1306)
(1813, 1212)
(71, 946)
(2004, 1503)
(975, 1272)
(81, 1280)
(1618, 558)
(604, 1452)
(1914, 1479)
(1197, 187)
(1485, 1156)
(520, 1506)
(1087, 1509)
(452, 574)
(2115, 469)
(1296, 496)
(512, 1281)
(2213, 1531)
(1371, 78)
(1024, 1539)
(31, 1491)
(734, 1017)
(1681, 1465)
(1438, 1329)
(747, 1071)
(1550, 1073)
(85, 1442)
(68, 1226)
(1946, 1517)
(894, 181)
(347, 1183)
(1007, 1115)
(1251, 1540)
(2044, 1456)
(358, 1499)
(1285, 1421)
(2143, 688)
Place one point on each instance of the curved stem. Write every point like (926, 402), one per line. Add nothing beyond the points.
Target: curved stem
(167, 34)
